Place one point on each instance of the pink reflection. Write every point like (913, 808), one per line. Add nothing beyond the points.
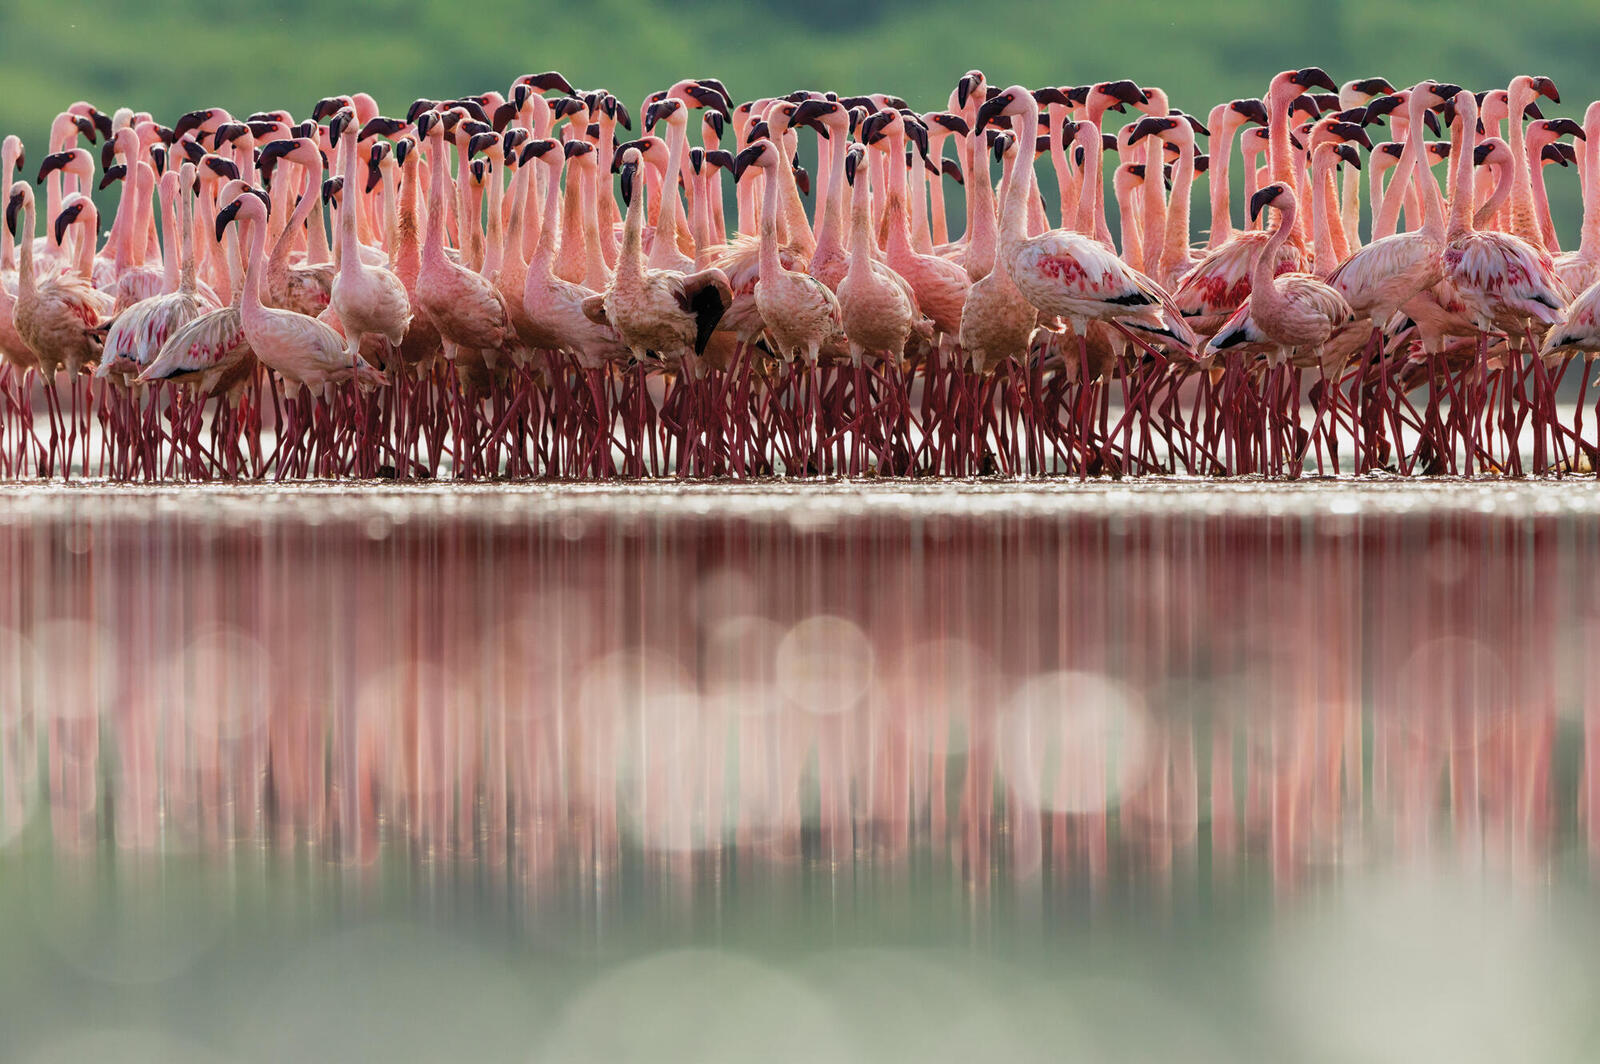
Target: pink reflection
(1068, 702)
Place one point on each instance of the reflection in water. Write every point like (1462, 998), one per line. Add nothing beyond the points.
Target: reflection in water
(1073, 698)
(625, 729)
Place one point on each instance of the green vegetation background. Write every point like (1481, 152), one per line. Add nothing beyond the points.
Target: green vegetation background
(168, 56)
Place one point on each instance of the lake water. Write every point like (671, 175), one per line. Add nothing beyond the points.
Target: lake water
(1158, 771)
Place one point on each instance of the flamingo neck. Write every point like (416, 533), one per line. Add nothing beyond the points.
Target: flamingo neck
(861, 242)
(544, 250)
(1523, 210)
(1217, 176)
(25, 279)
(349, 239)
(983, 226)
(169, 242)
(1541, 203)
(1263, 269)
(770, 264)
(438, 178)
(1177, 247)
(1409, 168)
(1462, 145)
(1484, 215)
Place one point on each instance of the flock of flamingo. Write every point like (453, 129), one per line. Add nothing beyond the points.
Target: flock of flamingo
(481, 305)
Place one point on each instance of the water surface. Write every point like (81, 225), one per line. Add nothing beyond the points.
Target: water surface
(1115, 772)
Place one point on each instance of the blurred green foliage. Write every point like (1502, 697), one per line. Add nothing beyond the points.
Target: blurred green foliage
(168, 56)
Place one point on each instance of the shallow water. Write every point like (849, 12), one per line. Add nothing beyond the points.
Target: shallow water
(1168, 770)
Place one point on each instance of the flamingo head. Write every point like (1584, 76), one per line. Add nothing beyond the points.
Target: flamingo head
(302, 151)
(219, 168)
(1274, 193)
(852, 161)
(1247, 110)
(548, 151)
(1537, 85)
(1115, 96)
(203, 120)
(1492, 151)
(74, 161)
(670, 110)
(330, 105)
(1363, 90)
(760, 153)
(1436, 152)
(333, 191)
(824, 115)
(99, 120)
(112, 174)
(1347, 154)
(20, 199)
(378, 159)
(487, 143)
(545, 82)
(941, 124)
(1549, 130)
(968, 91)
(1302, 80)
(405, 148)
(1560, 153)
(343, 121)
(628, 167)
(1386, 155)
(75, 207)
(379, 126)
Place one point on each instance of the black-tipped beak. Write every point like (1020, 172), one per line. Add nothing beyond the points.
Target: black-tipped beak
(952, 170)
(629, 170)
(503, 116)
(402, 148)
(1565, 127)
(1251, 110)
(381, 127)
(809, 113)
(65, 219)
(954, 123)
(1263, 199)
(1000, 143)
(192, 120)
(374, 175)
(964, 89)
(52, 162)
(223, 168)
(326, 106)
(1202, 163)
(85, 126)
(417, 109)
(1532, 112)
(991, 110)
(225, 216)
(1196, 125)
(574, 148)
(102, 122)
(707, 97)
(745, 159)
(802, 179)
(1431, 120)
(13, 205)
(1315, 78)
(722, 160)
(113, 174)
(481, 142)
(550, 79)
(1349, 154)
(1547, 88)
(1351, 132)
(332, 189)
(1480, 153)
(336, 127)
(108, 154)
(1374, 87)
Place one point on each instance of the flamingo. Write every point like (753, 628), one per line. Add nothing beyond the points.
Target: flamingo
(301, 287)
(139, 332)
(463, 305)
(662, 313)
(60, 318)
(367, 299)
(303, 351)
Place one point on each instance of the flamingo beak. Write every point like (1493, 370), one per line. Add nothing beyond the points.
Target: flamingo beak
(52, 162)
(225, 216)
(745, 159)
(113, 174)
(1546, 87)
(991, 110)
(628, 171)
(65, 219)
(1315, 78)
(1262, 199)
(964, 89)
(13, 205)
